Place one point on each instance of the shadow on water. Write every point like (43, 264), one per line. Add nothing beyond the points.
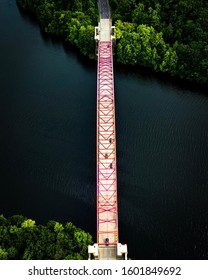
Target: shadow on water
(148, 74)
(59, 43)
(26, 16)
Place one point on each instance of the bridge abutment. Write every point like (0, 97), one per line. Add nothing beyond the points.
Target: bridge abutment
(111, 252)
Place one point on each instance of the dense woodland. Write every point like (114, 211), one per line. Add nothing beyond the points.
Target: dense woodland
(22, 239)
(166, 35)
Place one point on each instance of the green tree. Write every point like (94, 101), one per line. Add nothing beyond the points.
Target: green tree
(86, 39)
(28, 224)
(28, 241)
(3, 254)
(169, 63)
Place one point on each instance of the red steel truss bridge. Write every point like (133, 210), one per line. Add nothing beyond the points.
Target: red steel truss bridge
(107, 246)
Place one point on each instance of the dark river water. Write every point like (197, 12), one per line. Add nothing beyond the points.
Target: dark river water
(47, 145)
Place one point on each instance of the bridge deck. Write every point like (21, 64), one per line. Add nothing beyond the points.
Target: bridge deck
(107, 252)
(107, 246)
(105, 30)
(107, 214)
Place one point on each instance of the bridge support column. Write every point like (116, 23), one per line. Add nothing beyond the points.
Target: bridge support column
(97, 33)
(122, 251)
(93, 251)
(111, 252)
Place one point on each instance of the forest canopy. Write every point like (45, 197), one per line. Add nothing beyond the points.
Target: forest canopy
(22, 239)
(167, 36)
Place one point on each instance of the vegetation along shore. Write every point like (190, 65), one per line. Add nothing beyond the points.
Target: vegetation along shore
(167, 36)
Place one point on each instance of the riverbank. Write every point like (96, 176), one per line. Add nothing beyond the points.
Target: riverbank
(165, 36)
(146, 36)
(73, 21)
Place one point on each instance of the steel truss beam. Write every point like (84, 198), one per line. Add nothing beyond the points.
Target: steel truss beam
(107, 206)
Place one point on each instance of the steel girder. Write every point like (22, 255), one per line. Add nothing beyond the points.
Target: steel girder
(107, 205)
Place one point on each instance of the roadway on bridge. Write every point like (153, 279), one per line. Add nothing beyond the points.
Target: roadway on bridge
(104, 9)
(107, 246)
